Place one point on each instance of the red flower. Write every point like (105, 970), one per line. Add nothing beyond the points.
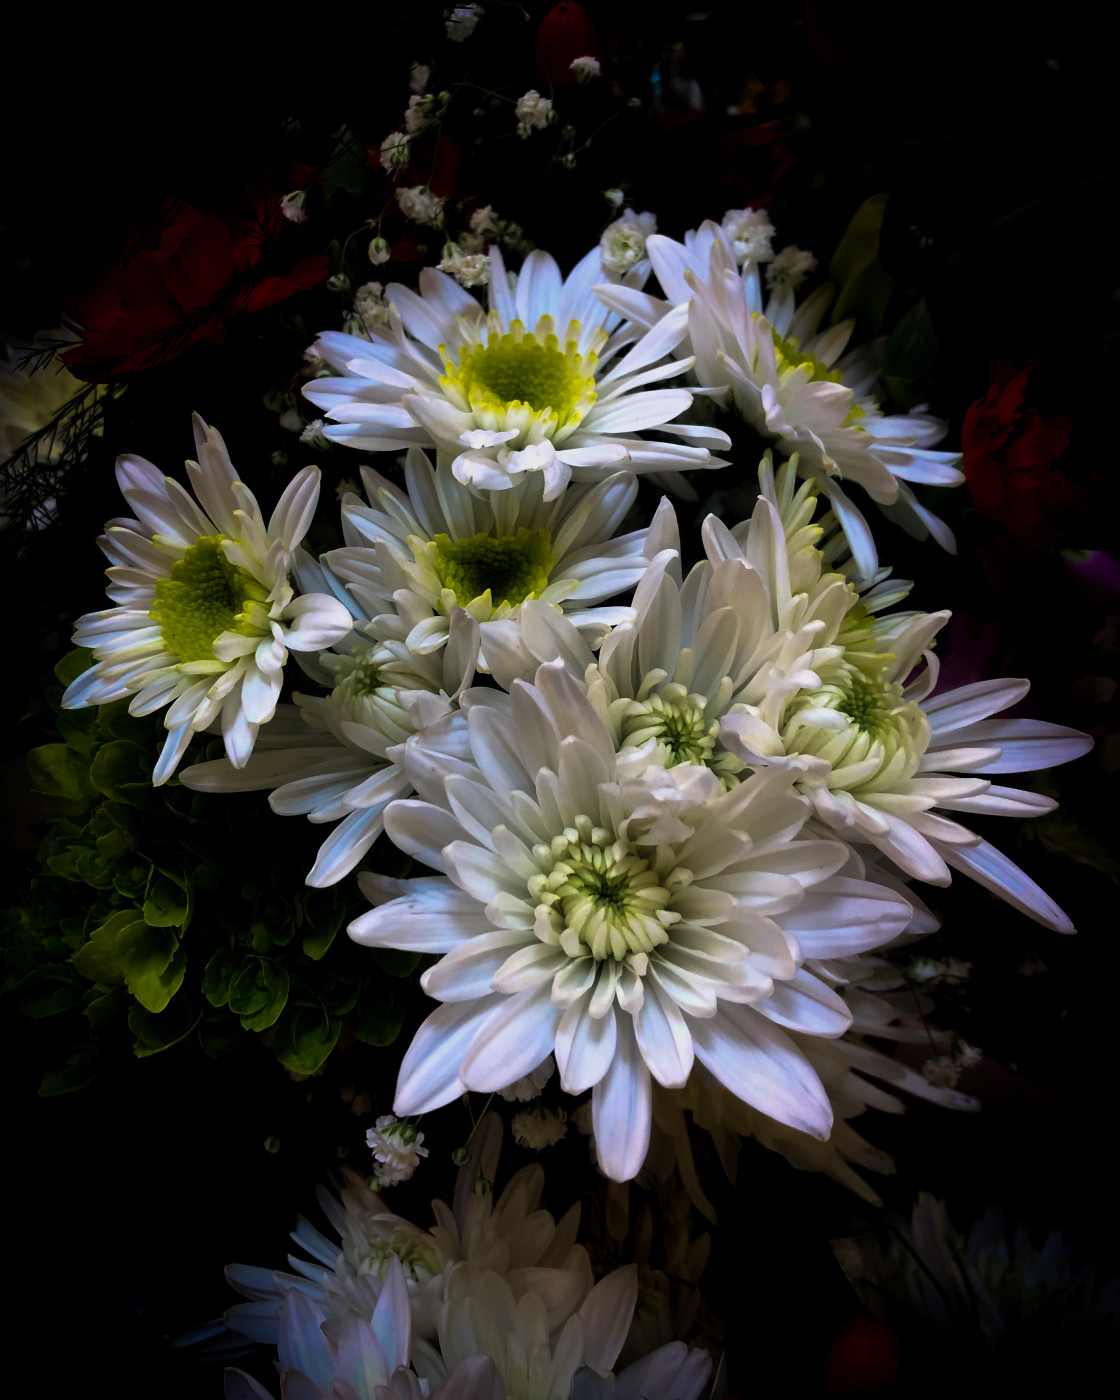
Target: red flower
(1017, 467)
(567, 32)
(177, 283)
(863, 1359)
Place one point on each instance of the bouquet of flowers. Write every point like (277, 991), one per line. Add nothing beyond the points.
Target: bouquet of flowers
(513, 724)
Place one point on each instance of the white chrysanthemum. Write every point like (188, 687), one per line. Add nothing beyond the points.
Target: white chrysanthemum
(205, 611)
(564, 929)
(440, 547)
(508, 1235)
(522, 390)
(329, 759)
(397, 1147)
(792, 381)
(873, 749)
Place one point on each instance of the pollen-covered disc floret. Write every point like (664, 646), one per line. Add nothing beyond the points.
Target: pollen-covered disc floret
(421, 553)
(206, 612)
(571, 924)
(328, 756)
(796, 383)
(525, 389)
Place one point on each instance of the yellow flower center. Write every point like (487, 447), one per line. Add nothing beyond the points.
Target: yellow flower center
(204, 596)
(521, 378)
(510, 568)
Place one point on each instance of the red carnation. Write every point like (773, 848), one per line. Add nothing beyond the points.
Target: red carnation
(1019, 469)
(179, 281)
(567, 32)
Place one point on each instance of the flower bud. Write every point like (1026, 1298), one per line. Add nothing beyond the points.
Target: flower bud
(378, 251)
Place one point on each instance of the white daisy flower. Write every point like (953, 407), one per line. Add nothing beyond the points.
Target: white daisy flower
(873, 748)
(522, 390)
(508, 1235)
(205, 611)
(564, 930)
(327, 757)
(792, 381)
(441, 546)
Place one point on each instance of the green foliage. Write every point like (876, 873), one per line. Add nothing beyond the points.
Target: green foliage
(910, 357)
(865, 286)
(157, 916)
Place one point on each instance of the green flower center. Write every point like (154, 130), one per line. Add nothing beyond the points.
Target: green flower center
(599, 896)
(790, 357)
(676, 721)
(204, 596)
(519, 369)
(868, 703)
(357, 677)
(511, 568)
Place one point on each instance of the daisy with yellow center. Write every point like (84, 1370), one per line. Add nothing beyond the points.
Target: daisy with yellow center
(527, 388)
(206, 614)
(420, 554)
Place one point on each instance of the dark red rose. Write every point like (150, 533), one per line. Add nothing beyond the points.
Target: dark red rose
(180, 281)
(863, 1359)
(567, 32)
(1019, 468)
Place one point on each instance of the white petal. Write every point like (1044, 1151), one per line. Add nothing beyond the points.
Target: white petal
(621, 1109)
(429, 1073)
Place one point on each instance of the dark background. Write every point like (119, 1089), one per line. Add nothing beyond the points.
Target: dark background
(995, 144)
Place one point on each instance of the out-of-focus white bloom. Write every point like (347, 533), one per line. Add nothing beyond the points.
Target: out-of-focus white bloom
(533, 111)
(397, 1146)
(937, 970)
(460, 23)
(790, 268)
(530, 1085)
(468, 269)
(585, 68)
(370, 310)
(313, 435)
(418, 76)
(941, 1072)
(539, 1127)
(419, 203)
(750, 232)
(395, 152)
(205, 613)
(615, 198)
(522, 391)
(294, 206)
(418, 115)
(623, 244)
(505, 1234)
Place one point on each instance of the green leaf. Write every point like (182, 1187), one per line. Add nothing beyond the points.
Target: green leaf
(258, 993)
(325, 914)
(378, 1016)
(75, 1073)
(166, 905)
(46, 992)
(115, 721)
(54, 770)
(220, 971)
(395, 962)
(305, 1036)
(104, 1007)
(346, 172)
(157, 1032)
(73, 664)
(120, 768)
(147, 960)
(865, 285)
(911, 355)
